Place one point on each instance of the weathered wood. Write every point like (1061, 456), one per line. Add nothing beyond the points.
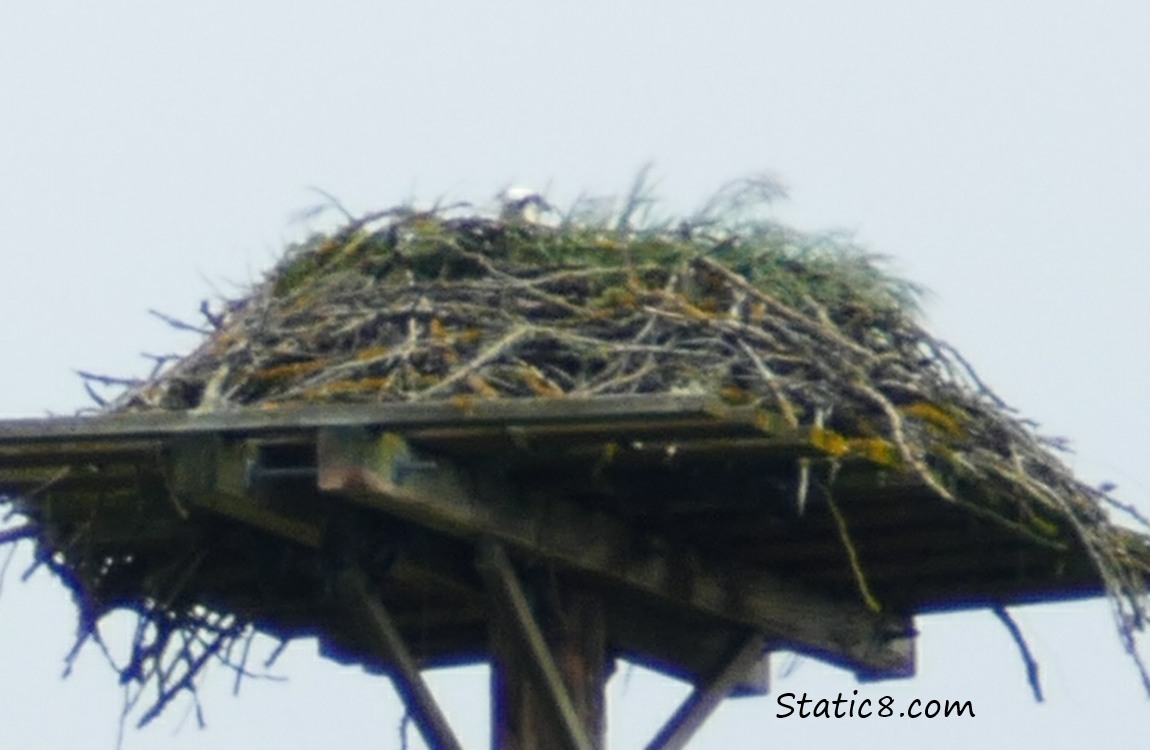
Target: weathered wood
(405, 672)
(578, 638)
(702, 702)
(406, 416)
(209, 472)
(519, 642)
(385, 472)
(676, 644)
(21, 480)
(27, 451)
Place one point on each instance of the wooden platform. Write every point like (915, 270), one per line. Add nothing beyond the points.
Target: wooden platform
(701, 528)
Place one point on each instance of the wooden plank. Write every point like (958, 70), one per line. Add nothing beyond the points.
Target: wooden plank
(21, 480)
(27, 454)
(385, 472)
(408, 681)
(509, 598)
(702, 702)
(692, 425)
(394, 416)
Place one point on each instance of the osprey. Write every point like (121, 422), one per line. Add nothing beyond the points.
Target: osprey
(520, 204)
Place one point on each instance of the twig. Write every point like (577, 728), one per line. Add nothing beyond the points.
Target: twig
(616, 384)
(333, 201)
(4, 567)
(276, 653)
(215, 321)
(490, 353)
(109, 379)
(27, 531)
(180, 325)
(99, 400)
(404, 728)
(969, 369)
(1023, 650)
(159, 361)
(898, 436)
(848, 545)
(1126, 508)
(186, 681)
(240, 673)
(772, 382)
(784, 310)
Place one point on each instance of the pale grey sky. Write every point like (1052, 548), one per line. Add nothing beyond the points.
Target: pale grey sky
(999, 151)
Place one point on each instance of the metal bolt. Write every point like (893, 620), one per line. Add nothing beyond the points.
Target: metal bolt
(404, 468)
(254, 473)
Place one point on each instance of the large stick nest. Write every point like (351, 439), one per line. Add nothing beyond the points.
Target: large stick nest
(409, 305)
(404, 305)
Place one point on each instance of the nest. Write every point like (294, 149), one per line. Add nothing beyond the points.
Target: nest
(404, 305)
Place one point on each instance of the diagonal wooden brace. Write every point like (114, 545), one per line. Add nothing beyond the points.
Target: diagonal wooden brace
(503, 585)
(353, 588)
(706, 698)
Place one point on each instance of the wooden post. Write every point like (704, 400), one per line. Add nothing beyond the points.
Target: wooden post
(549, 663)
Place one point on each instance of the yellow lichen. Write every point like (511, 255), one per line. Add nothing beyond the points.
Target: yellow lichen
(733, 394)
(617, 297)
(463, 402)
(876, 450)
(293, 370)
(944, 420)
(470, 336)
(482, 388)
(374, 352)
(350, 387)
(829, 441)
(538, 384)
(693, 312)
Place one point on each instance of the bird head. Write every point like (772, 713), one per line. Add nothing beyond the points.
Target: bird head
(520, 204)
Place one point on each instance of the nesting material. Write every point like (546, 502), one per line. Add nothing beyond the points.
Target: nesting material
(405, 305)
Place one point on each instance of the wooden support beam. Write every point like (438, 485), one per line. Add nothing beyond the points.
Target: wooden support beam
(706, 698)
(20, 452)
(210, 472)
(514, 612)
(409, 683)
(387, 473)
(674, 643)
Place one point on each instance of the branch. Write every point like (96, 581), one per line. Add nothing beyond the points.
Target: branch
(27, 531)
(109, 380)
(179, 325)
(215, 321)
(1023, 649)
(488, 354)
